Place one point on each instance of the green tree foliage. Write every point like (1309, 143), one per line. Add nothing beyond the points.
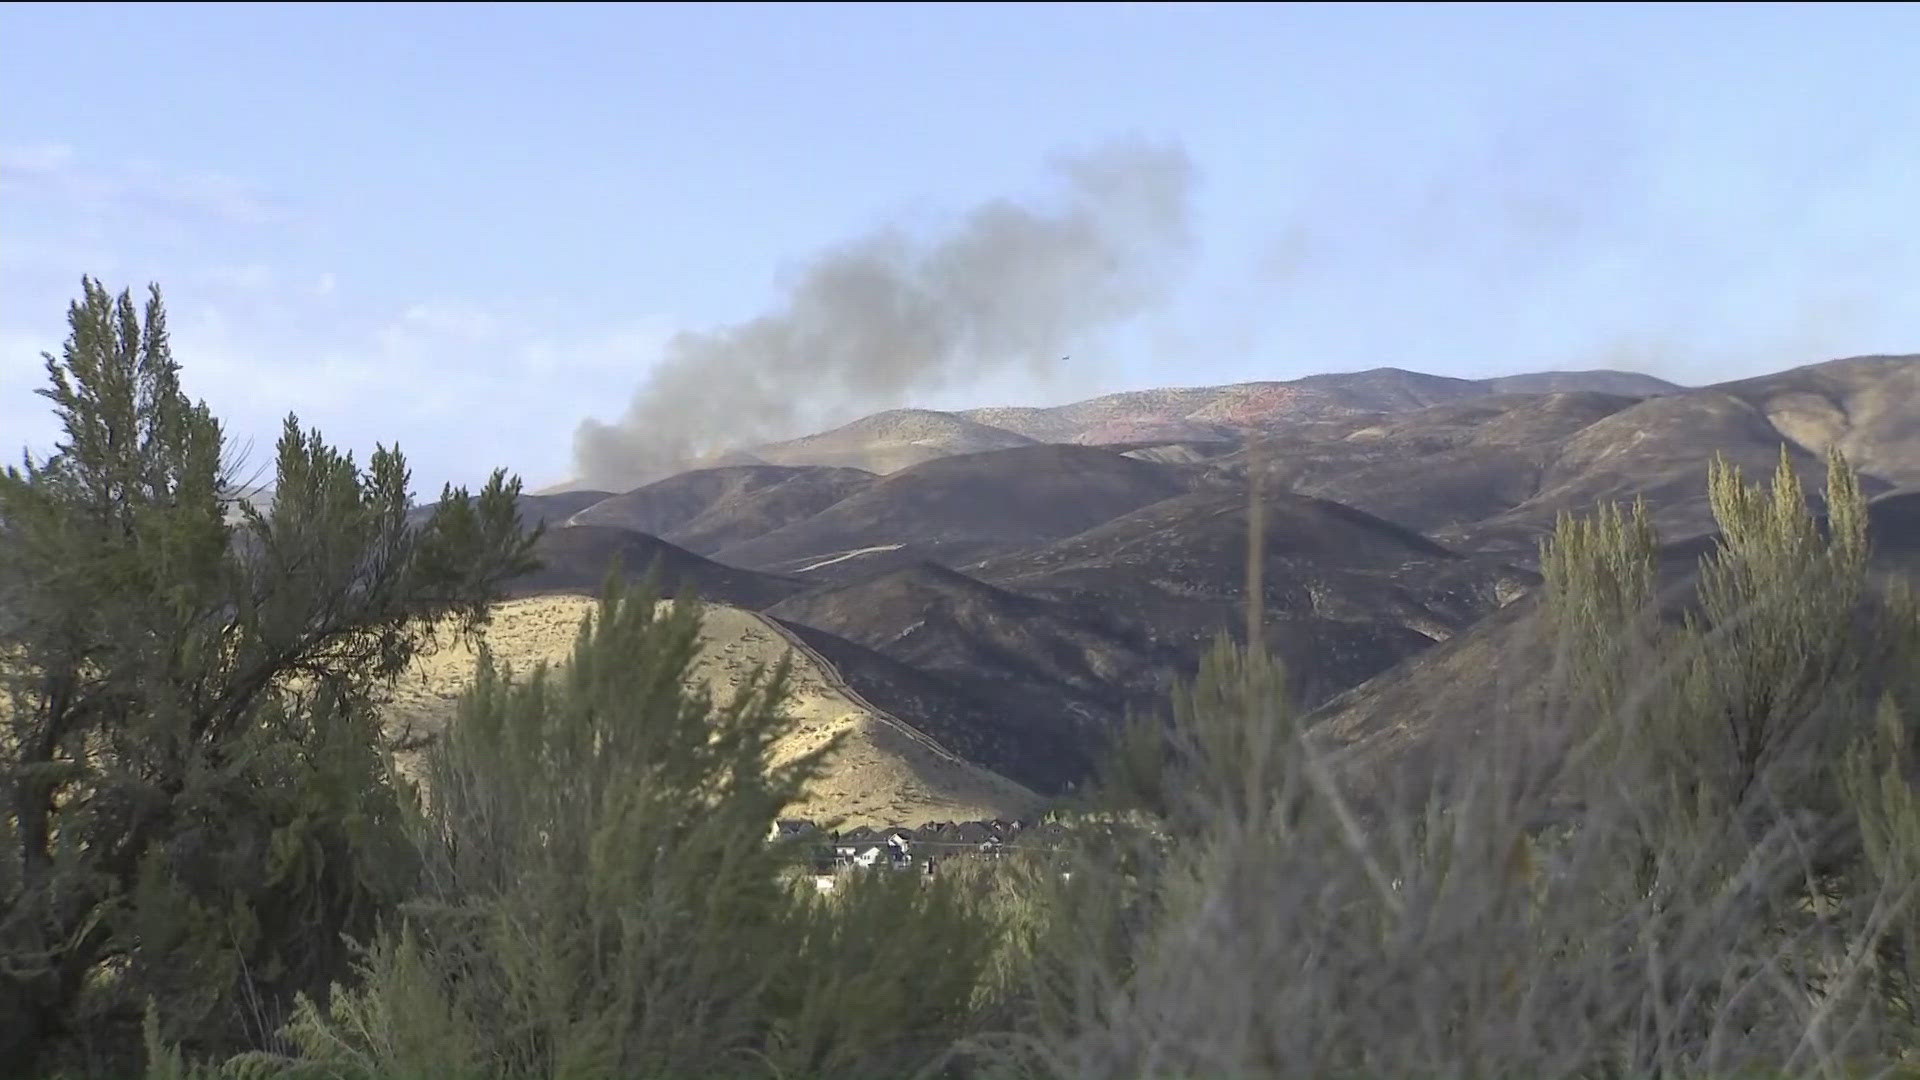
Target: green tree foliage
(1743, 705)
(1712, 870)
(197, 804)
(1598, 581)
(1232, 726)
(1229, 734)
(597, 896)
(882, 977)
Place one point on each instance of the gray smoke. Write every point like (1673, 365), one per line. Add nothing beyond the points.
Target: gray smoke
(870, 323)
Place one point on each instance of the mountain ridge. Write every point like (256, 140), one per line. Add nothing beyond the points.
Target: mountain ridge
(1014, 599)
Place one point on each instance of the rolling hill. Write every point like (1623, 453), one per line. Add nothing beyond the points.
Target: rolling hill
(1618, 383)
(962, 508)
(1061, 674)
(1658, 449)
(1346, 594)
(887, 772)
(548, 509)
(1449, 693)
(1009, 582)
(890, 441)
(1866, 405)
(1452, 464)
(578, 558)
(707, 510)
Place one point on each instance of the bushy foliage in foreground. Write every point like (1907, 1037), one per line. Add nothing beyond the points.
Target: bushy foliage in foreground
(1709, 871)
(1701, 859)
(596, 897)
(195, 792)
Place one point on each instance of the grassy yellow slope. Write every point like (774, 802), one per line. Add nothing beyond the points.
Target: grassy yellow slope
(886, 772)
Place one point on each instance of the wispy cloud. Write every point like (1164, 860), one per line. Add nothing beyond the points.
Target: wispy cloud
(252, 277)
(464, 321)
(61, 259)
(34, 160)
(59, 174)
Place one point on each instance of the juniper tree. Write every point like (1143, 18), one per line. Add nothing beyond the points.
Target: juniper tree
(598, 896)
(197, 805)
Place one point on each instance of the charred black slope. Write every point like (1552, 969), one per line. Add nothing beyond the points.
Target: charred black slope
(977, 728)
(1444, 696)
(962, 508)
(1346, 594)
(709, 509)
(1063, 671)
(534, 509)
(1659, 449)
(1451, 464)
(753, 515)
(1893, 523)
(1497, 420)
(577, 558)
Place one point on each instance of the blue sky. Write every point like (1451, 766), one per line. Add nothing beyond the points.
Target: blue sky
(471, 228)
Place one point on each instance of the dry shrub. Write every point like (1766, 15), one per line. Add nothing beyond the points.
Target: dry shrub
(1702, 866)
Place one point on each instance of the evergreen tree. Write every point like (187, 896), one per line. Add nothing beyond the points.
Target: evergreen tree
(598, 896)
(197, 805)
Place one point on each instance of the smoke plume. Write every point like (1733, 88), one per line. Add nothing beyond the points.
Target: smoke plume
(887, 315)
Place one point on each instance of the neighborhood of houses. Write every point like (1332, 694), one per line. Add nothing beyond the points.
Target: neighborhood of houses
(921, 850)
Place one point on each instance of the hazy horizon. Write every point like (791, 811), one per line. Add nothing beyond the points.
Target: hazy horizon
(477, 229)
